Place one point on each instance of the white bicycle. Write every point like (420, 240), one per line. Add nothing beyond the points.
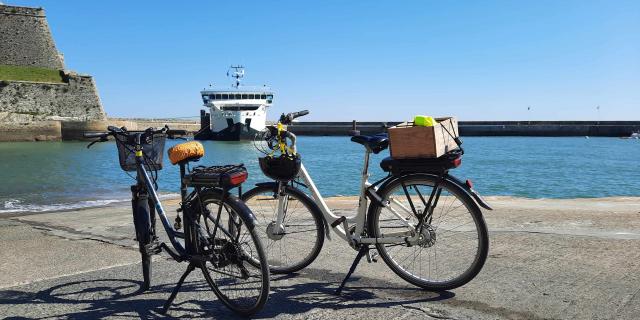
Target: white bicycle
(426, 224)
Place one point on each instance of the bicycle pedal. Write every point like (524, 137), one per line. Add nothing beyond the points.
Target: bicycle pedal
(153, 248)
(372, 257)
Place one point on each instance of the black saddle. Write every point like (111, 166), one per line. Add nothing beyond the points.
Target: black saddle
(374, 143)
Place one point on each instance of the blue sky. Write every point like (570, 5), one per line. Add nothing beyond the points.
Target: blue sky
(365, 60)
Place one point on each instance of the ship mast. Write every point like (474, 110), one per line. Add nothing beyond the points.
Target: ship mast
(236, 72)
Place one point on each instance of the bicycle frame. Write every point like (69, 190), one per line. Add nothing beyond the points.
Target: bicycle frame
(145, 181)
(339, 224)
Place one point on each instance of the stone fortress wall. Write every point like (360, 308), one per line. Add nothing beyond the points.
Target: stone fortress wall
(25, 38)
(29, 110)
(74, 100)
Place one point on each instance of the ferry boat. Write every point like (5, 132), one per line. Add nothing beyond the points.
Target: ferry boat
(236, 112)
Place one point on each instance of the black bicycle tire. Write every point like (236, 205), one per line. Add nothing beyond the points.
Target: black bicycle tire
(475, 211)
(317, 217)
(143, 229)
(247, 216)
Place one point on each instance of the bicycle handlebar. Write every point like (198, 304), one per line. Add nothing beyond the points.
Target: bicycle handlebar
(102, 136)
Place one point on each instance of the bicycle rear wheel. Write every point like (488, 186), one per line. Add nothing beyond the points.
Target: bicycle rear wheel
(302, 237)
(453, 242)
(237, 268)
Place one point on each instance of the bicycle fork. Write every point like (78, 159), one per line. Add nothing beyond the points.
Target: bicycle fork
(278, 227)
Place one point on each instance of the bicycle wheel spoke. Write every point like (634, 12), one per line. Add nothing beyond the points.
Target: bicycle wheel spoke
(297, 241)
(234, 272)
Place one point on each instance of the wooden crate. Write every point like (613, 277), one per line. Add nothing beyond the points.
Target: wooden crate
(407, 141)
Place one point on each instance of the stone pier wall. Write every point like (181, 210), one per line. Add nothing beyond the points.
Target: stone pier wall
(73, 130)
(30, 131)
(75, 100)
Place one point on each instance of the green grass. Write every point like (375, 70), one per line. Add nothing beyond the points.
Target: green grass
(36, 74)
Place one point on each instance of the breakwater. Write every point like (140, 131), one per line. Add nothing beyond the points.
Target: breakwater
(485, 128)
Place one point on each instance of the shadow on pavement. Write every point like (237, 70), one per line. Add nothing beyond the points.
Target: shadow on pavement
(102, 298)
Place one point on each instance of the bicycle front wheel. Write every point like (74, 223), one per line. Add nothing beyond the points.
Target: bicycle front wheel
(237, 268)
(452, 243)
(298, 241)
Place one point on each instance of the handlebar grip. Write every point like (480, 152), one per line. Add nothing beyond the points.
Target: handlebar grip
(95, 134)
(114, 129)
(298, 114)
(289, 117)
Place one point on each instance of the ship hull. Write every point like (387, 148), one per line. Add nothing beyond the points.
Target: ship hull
(235, 132)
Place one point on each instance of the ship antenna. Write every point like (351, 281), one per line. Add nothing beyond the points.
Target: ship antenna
(236, 72)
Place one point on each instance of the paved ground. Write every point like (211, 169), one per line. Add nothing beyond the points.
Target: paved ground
(548, 259)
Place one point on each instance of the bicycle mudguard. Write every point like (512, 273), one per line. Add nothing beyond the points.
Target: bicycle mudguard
(274, 186)
(469, 188)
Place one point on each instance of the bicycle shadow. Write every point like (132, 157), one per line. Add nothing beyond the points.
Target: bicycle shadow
(103, 298)
(360, 292)
(312, 289)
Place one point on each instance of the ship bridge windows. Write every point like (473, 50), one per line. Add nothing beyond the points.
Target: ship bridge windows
(239, 108)
(237, 96)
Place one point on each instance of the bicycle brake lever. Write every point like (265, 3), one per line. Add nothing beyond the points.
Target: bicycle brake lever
(96, 141)
(92, 143)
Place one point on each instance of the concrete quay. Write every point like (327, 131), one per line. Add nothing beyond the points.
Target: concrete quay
(549, 259)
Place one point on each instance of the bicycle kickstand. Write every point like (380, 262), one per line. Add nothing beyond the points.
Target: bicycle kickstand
(361, 253)
(174, 293)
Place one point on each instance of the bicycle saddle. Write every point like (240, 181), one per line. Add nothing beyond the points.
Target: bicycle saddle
(375, 143)
(188, 151)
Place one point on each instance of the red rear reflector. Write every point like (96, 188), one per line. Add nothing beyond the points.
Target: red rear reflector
(469, 184)
(457, 162)
(238, 178)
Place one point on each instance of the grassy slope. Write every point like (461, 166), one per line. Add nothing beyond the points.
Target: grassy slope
(35, 74)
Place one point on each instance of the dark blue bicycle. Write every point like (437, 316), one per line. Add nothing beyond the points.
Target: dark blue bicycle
(218, 234)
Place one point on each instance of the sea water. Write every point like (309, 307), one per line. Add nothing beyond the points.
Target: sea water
(48, 176)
